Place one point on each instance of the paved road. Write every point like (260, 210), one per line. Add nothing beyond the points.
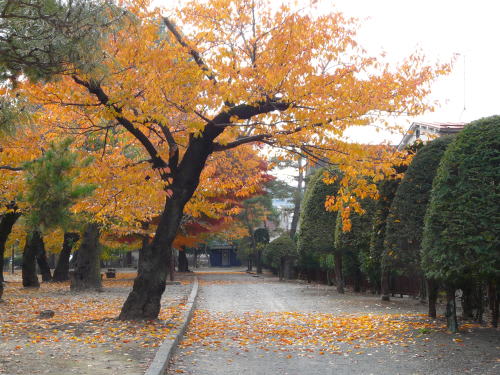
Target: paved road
(258, 326)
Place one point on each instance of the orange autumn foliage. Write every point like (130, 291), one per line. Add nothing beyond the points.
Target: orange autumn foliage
(301, 73)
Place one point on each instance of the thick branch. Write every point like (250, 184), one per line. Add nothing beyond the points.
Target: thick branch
(173, 154)
(241, 141)
(258, 137)
(95, 89)
(9, 168)
(247, 111)
(196, 56)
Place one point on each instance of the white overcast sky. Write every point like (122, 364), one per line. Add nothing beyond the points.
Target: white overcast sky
(440, 28)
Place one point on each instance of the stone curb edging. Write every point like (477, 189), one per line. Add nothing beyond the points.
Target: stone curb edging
(166, 350)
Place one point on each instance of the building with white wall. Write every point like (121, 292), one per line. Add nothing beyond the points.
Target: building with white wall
(426, 131)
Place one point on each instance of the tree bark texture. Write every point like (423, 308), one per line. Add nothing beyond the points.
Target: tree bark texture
(7, 221)
(143, 302)
(142, 250)
(43, 263)
(259, 262)
(329, 280)
(451, 310)
(281, 268)
(30, 279)
(87, 274)
(423, 289)
(385, 285)
(288, 267)
(297, 201)
(52, 260)
(183, 261)
(128, 259)
(61, 273)
(339, 278)
(467, 302)
(432, 292)
(491, 291)
(495, 303)
(478, 302)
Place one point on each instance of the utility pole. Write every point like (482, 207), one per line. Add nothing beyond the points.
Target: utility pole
(14, 247)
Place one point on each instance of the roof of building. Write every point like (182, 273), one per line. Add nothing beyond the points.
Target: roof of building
(450, 126)
(438, 127)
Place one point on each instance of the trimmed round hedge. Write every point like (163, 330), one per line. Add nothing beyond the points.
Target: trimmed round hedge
(461, 239)
(317, 226)
(405, 221)
(277, 249)
(372, 264)
(355, 244)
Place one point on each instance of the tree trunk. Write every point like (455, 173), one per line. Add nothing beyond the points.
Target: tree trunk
(195, 258)
(338, 273)
(30, 280)
(74, 259)
(128, 259)
(495, 297)
(253, 255)
(432, 292)
(61, 272)
(423, 289)
(142, 252)
(384, 285)
(288, 269)
(183, 261)
(329, 280)
(478, 302)
(297, 201)
(43, 263)
(467, 301)
(281, 268)
(259, 262)
(491, 292)
(358, 280)
(52, 260)
(87, 274)
(451, 310)
(7, 221)
(143, 302)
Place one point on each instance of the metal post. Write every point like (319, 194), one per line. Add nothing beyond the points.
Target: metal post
(14, 246)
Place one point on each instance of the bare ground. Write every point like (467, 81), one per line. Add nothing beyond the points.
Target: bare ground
(83, 337)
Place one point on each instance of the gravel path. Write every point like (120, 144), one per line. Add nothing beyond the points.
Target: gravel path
(258, 325)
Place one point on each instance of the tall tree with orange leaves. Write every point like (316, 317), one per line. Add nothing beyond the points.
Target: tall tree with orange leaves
(224, 73)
